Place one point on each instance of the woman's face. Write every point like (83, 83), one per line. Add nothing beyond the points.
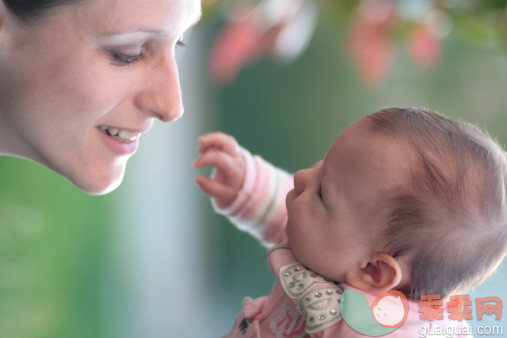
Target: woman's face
(78, 86)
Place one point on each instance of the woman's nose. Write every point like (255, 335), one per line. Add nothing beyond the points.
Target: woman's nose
(300, 178)
(161, 95)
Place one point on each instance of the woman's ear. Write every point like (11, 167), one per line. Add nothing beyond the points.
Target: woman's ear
(382, 272)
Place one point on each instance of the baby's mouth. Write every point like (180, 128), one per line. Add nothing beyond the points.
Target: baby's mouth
(120, 134)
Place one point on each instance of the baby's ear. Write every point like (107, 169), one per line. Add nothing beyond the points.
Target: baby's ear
(380, 273)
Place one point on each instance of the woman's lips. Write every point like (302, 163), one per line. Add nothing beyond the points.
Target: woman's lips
(121, 142)
(120, 134)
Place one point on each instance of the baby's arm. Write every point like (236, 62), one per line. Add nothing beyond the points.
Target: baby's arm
(245, 188)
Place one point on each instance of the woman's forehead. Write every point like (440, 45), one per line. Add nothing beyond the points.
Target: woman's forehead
(109, 17)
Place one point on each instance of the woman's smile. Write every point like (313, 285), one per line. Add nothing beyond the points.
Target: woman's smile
(120, 134)
(122, 141)
(119, 147)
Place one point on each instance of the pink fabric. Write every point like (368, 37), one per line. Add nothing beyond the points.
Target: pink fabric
(260, 206)
(260, 209)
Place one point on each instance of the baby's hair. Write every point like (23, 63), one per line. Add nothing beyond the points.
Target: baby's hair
(449, 216)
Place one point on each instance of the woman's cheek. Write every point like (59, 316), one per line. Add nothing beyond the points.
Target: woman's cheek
(98, 93)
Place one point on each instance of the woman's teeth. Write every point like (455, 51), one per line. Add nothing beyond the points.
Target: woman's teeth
(119, 134)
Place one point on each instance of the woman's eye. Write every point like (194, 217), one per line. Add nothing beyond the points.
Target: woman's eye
(319, 192)
(126, 59)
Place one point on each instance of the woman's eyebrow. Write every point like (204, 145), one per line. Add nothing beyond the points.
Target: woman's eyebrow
(145, 31)
(133, 32)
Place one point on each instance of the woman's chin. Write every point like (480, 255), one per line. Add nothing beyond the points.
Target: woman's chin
(102, 190)
(100, 184)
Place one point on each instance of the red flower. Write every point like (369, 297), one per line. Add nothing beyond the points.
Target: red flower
(279, 28)
(236, 45)
(424, 47)
(369, 42)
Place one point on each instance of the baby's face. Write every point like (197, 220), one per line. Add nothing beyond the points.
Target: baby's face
(336, 210)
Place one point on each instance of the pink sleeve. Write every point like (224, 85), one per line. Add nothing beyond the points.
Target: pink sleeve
(260, 206)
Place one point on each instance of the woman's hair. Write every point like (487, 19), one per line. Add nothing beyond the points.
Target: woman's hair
(450, 216)
(26, 10)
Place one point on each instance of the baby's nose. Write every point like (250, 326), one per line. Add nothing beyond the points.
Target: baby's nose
(299, 181)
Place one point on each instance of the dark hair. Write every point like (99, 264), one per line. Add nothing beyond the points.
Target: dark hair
(450, 217)
(26, 10)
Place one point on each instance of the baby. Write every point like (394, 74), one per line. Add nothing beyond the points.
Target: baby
(405, 199)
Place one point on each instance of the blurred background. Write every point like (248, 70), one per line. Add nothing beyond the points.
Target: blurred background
(284, 77)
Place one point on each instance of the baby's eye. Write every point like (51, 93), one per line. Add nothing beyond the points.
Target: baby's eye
(319, 192)
(181, 42)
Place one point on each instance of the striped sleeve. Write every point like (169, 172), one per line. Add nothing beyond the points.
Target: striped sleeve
(259, 207)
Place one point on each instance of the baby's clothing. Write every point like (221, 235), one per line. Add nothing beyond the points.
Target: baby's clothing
(301, 302)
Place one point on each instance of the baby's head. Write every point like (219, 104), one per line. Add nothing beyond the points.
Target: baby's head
(404, 199)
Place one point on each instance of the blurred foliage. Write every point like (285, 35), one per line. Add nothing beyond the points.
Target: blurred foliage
(476, 21)
(251, 29)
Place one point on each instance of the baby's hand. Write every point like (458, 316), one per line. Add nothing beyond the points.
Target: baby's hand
(222, 152)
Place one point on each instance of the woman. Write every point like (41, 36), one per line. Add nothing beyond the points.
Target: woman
(81, 80)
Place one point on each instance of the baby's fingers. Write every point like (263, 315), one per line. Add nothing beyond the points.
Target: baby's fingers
(222, 193)
(222, 161)
(221, 141)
